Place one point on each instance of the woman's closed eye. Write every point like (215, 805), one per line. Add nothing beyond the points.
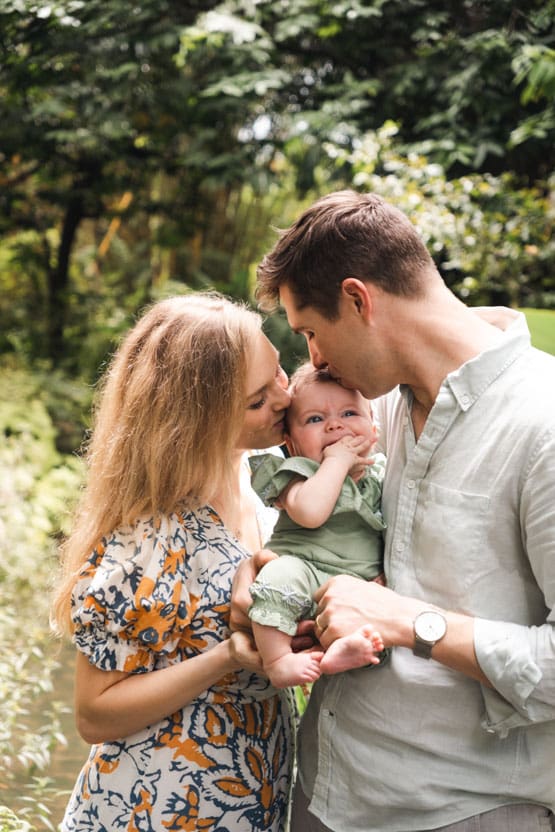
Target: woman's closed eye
(258, 404)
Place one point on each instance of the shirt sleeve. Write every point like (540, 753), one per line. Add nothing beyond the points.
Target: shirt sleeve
(519, 660)
(130, 605)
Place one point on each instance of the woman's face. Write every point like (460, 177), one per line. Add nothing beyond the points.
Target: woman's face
(267, 398)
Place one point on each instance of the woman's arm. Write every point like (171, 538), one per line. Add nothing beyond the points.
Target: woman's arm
(112, 704)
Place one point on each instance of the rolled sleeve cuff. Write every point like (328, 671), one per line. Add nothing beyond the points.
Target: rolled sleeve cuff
(504, 653)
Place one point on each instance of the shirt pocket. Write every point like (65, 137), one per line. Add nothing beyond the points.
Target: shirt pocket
(449, 543)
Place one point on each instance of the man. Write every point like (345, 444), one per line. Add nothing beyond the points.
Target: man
(460, 722)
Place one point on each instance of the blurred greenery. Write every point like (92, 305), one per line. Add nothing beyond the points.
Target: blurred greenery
(542, 327)
(155, 152)
(38, 485)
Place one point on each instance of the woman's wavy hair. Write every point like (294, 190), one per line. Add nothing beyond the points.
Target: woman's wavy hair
(169, 413)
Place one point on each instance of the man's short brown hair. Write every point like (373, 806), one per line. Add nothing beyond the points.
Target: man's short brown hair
(344, 234)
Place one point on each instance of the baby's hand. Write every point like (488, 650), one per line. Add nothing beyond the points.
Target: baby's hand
(352, 450)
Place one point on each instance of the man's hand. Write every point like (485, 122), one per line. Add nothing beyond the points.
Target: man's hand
(305, 638)
(240, 596)
(345, 604)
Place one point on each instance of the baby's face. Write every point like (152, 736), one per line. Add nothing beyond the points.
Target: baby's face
(321, 413)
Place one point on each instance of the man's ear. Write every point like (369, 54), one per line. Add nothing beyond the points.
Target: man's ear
(358, 294)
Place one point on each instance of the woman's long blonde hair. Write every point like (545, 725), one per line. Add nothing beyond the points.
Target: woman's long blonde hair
(168, 418)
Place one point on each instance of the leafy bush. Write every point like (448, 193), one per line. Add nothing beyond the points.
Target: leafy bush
(491, 239)
(36, 486)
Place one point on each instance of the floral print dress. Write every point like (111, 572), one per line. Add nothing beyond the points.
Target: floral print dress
(155, 594)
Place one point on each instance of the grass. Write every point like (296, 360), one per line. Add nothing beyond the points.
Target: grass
(542, 328)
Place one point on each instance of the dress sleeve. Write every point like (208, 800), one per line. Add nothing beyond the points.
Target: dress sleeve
(130, 605)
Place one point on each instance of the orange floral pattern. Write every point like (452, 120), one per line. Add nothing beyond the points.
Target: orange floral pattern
(155, 594)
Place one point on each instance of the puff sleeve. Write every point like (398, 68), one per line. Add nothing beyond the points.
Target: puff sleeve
(130, 604)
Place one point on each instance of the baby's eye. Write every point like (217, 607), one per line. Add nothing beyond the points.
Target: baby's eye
(350, 413)
(313, 419)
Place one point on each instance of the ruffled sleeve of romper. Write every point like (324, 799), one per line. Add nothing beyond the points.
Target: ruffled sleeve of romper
(130, 605)
(272, 474)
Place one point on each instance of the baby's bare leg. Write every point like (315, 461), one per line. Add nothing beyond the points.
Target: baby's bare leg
(356, 650)
(285, 668)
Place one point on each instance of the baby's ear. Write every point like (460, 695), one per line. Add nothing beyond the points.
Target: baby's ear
(289, 444)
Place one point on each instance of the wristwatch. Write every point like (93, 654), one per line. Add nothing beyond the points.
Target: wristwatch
(429, 627)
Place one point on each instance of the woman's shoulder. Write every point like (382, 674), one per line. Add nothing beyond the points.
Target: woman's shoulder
(138, 590)
(150, 539)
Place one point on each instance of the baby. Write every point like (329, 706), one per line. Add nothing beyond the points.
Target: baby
(330, 523)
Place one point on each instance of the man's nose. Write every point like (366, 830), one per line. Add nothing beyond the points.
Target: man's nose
(316, 358)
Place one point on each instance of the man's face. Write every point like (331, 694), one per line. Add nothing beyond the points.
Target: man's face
(337, 345)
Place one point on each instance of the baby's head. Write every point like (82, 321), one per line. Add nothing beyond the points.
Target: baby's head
(322, 412)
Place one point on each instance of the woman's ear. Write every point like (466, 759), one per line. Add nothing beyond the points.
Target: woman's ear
(357, 294)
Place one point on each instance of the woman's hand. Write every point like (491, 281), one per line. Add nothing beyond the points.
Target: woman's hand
(240, 596)
(244, 652)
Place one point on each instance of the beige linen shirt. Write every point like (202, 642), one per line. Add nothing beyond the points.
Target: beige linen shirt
(470, 511)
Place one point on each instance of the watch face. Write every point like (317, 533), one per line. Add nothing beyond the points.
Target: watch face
(430, 626)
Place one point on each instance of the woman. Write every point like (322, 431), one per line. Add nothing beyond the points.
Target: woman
(186, 733)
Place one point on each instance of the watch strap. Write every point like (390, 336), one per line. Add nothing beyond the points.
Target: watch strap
(422, 649)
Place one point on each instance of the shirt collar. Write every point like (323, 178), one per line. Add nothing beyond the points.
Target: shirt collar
(469, 381)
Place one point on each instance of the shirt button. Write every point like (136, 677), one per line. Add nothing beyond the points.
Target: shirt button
(411, 483)
(465, 399)
(399, 546)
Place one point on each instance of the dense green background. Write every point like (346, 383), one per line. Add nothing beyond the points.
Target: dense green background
(154, 148)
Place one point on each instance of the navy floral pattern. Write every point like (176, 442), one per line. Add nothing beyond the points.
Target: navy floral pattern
(155, 594)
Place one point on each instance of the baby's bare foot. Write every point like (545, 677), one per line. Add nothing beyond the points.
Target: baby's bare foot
(356, 650)
(295, 669)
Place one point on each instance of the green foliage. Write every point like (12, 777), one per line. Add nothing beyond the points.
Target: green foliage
(9, 822)
(491, 240)
(93, 106)
(534, 66)
(464, 81)
(147, 150)
(542, 327)
(38, 486)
